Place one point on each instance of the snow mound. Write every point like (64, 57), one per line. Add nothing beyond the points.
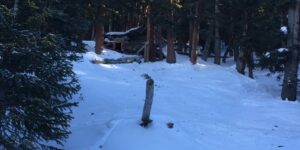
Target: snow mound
(212, 108)
(281, 50)
(284, 30)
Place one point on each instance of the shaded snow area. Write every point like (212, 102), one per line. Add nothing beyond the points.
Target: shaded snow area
(212, 108)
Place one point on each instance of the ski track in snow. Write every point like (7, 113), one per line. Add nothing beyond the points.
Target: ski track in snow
(212, 108)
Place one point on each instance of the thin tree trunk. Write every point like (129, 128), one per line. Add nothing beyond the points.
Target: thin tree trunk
(99, 38)
(289, 89)
(230, 48)
(191, 30)
(149, 52)
(171, 57)
(93, 33)
(242, 58)
(217, 44)
(129, 21)
(249, 62)
(110, 25)
(235, 53)
(241, 63)
(194, 52)
(158, 37)
(159, 42)
(207, 43)
(191, 33)
(99, 32)
(206, 49)
(147, 49)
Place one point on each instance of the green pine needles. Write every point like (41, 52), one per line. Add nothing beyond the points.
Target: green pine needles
(37, 82)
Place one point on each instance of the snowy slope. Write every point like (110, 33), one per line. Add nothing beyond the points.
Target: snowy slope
(212, 108)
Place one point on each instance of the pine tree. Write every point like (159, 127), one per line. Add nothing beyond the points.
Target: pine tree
(37, 83)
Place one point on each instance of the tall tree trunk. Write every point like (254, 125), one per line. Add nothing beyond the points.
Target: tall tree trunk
(191, 30)
(171, 57)
(158, 37)
(149, 53)
(93, 32)
(217, 44)
(159, 42)
(231, 41)
(99, 31)
(99, 38)
(236, 52)
(241, 62)
(110, 25)
(206, 50)
(289, 89)
(249, 62)
(129, 21)
(243, 53)
(194, 52)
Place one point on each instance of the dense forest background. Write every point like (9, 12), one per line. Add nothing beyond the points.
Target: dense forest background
(39, 40)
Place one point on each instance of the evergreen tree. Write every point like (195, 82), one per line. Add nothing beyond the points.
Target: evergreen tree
(37, 47)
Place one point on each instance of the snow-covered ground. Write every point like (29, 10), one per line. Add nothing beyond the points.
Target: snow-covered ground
(212, 108)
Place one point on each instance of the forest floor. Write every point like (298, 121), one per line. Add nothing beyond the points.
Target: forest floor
(212, 108)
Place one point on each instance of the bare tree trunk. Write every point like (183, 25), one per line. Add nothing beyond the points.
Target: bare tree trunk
(241, 63)
(93, 33)
(99, 31)
(194, 52)
(235, 53)
(245, 58)
(99, 38)
(171, 57)
(147, 49)
(191, 30)
(207, 43)
(129, 20)
(243, 53)
(217, 39)
(149, 52)
(206, 49)
(110, 25)
(158, 37)
(289, 89)
(249, 62)
(231, 41)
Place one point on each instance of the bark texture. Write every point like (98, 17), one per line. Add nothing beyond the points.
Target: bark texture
(290, 81)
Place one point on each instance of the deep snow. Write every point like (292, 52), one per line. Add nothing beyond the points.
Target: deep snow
(212, 108)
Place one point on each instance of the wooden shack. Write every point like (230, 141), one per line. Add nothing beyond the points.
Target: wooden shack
(129, 41)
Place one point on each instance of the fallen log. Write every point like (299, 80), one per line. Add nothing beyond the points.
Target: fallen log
(122, 60)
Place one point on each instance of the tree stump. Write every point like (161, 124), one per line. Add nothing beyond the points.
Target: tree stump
(148, 103)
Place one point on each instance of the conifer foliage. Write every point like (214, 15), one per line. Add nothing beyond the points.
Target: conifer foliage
(37, 82)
